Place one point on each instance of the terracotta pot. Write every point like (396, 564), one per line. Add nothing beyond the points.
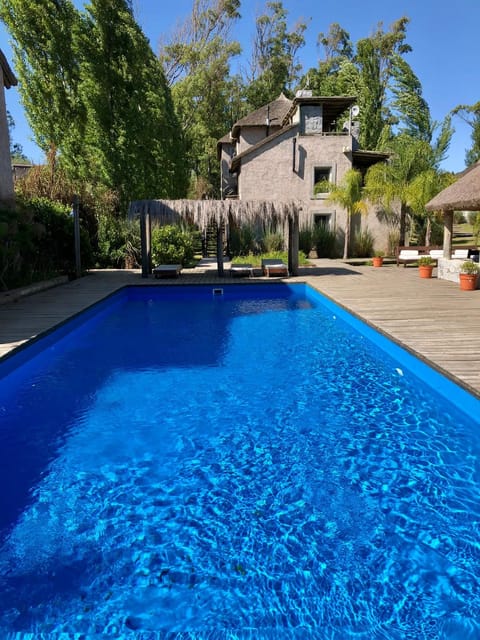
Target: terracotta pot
(377, 261)
(425, 270)
(468, 281)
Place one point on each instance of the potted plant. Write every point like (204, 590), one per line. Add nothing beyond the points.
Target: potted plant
(377, 259)
(425, 266)
(469, 271)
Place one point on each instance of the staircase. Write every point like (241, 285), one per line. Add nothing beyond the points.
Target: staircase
(209, 249)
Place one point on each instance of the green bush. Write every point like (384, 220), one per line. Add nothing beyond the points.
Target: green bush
(324, 242)
(172, 245)
(363, 244)
(306, 241)
(56, 247)
(37, 242)
(243, 240)
(256, 259)
(272, 241)
(118, 242)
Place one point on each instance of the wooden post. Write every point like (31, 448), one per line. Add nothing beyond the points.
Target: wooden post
(145, 237)
(447, 233)
(220, 270)
(76, 235)
(293, 229)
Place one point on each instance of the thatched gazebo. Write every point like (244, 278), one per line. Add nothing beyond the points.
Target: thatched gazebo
(462, 195)
(222, 212)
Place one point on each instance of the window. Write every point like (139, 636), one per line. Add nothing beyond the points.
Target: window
(322, 220)
(321, 176)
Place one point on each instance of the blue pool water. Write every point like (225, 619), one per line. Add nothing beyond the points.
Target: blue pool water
(256, 464)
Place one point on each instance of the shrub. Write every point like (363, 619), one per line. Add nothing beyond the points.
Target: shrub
(37, 241)
(324, 242)
(306, 239)
(171, 245)
(242, 240)
(118, 242)
(363, 244)
(272, 241)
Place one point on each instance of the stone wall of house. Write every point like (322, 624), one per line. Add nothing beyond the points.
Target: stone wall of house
(285, 170)
(6, 177)
(252, 135)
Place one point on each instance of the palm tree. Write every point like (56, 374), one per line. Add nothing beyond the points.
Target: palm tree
(389, 184)
(349, 194)
(422, 189)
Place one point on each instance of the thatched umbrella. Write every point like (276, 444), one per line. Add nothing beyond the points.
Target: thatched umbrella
(462, 195)
(204, 212)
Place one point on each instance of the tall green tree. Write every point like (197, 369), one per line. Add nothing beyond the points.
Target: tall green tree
(375, 58)
(421, 190)
(44, 36)
(196, 60)
(132, 134)
(349, 194)
(274, 67)
(471, 115)
(95, 93)
(336, 74)
(389, 184)
(366, 71)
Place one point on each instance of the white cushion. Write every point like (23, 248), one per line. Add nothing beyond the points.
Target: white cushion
(460, 253)
(436, 253)
(409, 253)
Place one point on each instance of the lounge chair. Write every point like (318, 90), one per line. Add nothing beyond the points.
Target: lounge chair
(274, 267)
(167, 270)
(406, 256)
(241, 269)
(460, 254)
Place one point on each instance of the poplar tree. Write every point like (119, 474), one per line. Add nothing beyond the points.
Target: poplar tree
(95, 93)
(46, 63)
(132, 135)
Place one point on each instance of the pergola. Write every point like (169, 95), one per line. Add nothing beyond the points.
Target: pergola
(222, 212)
(462, 195)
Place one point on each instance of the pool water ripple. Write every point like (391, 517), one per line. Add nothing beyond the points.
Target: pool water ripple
(322, 493)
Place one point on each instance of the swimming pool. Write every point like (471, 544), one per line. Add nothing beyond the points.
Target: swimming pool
(250, 463)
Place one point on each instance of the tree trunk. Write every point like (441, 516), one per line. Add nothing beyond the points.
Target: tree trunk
(428, 232)
(403, 225)
(346, 245)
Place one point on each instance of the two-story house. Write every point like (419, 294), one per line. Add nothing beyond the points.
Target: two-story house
(286, 150)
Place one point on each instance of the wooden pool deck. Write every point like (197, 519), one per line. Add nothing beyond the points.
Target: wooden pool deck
(432, 318)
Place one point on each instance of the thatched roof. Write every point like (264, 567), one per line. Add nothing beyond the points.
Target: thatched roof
(202, 212)
(462, 195)
(275, 112)
(9, 79)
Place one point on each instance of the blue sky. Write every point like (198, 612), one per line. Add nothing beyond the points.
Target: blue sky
(443, 36)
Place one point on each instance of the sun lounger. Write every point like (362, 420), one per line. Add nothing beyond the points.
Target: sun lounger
(167, 270)
(274, 267)
(241, 269)
(460, 254)
(408, 255)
